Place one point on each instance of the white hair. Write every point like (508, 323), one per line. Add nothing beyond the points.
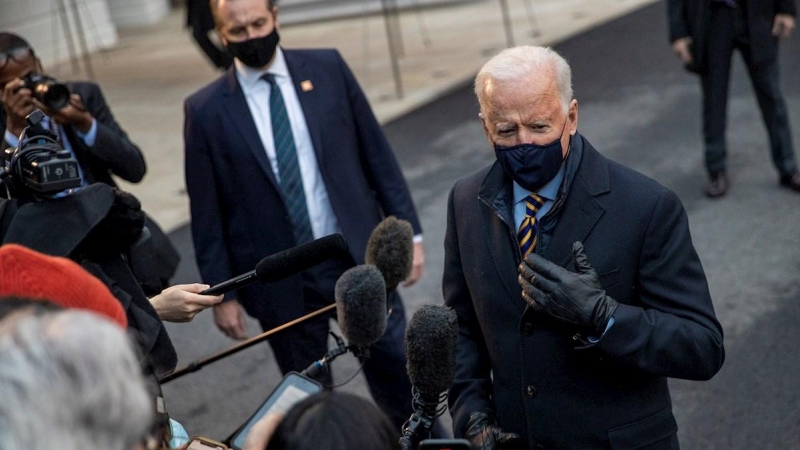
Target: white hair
(519, 64)
(70, 380)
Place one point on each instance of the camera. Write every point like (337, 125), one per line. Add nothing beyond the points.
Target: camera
(47, 90)
(39, 164)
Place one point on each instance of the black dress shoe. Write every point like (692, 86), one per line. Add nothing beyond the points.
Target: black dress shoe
(791, 181)
(717, 185)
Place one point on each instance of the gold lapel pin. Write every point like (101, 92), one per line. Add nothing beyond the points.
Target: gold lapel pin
(306, 85)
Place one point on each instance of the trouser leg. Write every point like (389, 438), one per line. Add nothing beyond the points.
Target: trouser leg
(715, 84)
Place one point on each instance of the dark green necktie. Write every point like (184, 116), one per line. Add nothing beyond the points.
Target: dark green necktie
(288, 168)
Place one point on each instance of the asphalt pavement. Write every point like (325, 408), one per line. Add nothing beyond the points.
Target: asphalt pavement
(638, 107)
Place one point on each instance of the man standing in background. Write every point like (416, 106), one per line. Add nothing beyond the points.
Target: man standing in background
(704, 34)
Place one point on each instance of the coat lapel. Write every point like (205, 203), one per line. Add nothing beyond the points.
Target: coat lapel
(581, 209)
(496, 201)
(239, 113)
(305, 78)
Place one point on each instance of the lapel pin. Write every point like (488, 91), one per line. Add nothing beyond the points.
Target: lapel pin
(306, 85)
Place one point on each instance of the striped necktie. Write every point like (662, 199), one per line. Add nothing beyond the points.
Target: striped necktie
(288, 168)
(528, 234)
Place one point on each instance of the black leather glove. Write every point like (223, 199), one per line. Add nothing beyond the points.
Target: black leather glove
(484, 435)
(576, 298)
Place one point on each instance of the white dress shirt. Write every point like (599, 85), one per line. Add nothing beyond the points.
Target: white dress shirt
(257, 92)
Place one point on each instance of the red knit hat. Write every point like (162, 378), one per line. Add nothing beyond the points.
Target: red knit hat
(30, 274)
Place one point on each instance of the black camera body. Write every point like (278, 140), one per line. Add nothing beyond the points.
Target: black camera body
(47, 90)
(40, 165)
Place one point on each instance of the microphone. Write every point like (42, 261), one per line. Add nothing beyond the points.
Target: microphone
(391, 249)
(285, 263)
(431, 337)
(360, 295)
(361, 305)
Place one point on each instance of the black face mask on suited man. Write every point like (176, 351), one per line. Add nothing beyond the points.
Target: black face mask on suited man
(256, 52)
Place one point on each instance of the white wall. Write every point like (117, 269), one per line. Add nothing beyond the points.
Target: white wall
(42, 23)
(127, 13)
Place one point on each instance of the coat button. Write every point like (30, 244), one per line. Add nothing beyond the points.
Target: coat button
(527, 328)
(530, 391)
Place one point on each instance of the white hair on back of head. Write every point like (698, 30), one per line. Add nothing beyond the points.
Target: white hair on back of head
(70, 380)
(520, 63)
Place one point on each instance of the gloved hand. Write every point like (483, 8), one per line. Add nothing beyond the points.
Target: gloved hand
(484, 435)
(576, 298)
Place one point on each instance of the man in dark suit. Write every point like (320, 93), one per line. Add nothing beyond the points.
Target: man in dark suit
(86, 125)
(576, 285)
(282, 149)
(704, 34)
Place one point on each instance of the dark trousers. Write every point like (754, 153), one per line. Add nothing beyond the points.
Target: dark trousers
(385, 370)
(728, 32)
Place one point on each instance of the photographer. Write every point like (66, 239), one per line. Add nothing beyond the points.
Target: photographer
(78, 115)
(84, 125)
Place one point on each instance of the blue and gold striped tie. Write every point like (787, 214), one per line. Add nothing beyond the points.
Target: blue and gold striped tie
(289, 169)
(528, 234)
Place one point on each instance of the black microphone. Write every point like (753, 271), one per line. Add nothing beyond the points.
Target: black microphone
(391, 249)
(361, 305)
(285, 263)
(431, 338)
(360, 295)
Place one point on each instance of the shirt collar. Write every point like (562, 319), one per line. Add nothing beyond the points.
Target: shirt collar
(249, 78)
(548, 192)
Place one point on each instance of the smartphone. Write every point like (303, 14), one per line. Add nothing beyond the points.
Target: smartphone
(201, 443)
(445, 444)
(293, 388)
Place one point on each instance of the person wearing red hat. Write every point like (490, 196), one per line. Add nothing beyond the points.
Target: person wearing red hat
(28, 273)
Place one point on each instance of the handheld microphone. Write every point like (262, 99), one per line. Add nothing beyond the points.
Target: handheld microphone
(285, 263)
(391, 249)
(361, 311)
(431, 338)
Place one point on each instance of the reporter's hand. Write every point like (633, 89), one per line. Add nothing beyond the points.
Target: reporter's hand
(782, 26)
(484, 435)
(74, 114)
(180, 303)
(229, 317)
(683, 48)
(417, 266)
(18, 103)
(576, 298)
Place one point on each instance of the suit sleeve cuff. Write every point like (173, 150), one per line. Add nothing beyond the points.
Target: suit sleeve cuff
(90, 136)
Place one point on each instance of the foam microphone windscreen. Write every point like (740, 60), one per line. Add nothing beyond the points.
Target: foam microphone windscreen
(297, 259)
(391, 249)
(361, 305)
(431, 337)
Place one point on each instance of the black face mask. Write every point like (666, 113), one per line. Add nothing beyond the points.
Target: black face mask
(256, 52)
(532, 166)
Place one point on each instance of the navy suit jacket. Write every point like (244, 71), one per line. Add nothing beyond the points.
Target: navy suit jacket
(238, 214)
(533, 372)
(692, 18)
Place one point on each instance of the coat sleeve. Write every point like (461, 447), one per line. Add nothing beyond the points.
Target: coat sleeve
(673, 332)
(786, 7)
(379, 163)
(677, 16)
(205, 202)
(112, 146)
(471, 390)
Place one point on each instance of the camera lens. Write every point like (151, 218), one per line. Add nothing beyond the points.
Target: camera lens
(53, 95)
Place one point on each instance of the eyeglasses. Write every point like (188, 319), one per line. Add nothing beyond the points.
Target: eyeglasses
(18, 54)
